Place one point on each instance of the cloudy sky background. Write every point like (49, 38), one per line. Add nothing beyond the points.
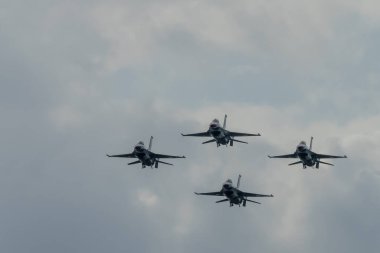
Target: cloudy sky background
(80, 79)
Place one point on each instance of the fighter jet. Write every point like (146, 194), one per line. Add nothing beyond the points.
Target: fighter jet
(233, 194)
(220, 135)
(307, 157)
(145, 156)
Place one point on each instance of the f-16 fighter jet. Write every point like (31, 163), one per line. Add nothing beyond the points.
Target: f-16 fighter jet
(220, 135)
(307, 157)
(145, 156)
(233, 194)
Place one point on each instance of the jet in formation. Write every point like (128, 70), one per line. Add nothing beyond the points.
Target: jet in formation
(307, 157)
(145, 156)
(220, 135)
(233, 194)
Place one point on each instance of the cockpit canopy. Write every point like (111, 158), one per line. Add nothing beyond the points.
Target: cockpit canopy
(302, 146)
(139, 146)
(215, 123)
(227, 184)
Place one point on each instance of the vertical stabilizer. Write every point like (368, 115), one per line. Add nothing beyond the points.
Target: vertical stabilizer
(150, 143)
(225, 121)
(311, 143)
(238, 182)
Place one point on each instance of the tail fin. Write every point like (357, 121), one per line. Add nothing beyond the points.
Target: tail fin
(311, 143)
(150, 143)
(225, 121)
(238, 182)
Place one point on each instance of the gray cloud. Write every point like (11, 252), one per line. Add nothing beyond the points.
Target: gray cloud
(87, 78)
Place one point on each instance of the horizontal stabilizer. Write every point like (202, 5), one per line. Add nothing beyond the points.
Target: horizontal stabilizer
(253, 201)
(165, 163)
(240, 141)
(135, 162)
(295, 163)
(213, 140)
(326, 163)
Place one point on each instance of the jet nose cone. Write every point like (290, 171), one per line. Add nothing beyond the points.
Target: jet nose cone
(226, 186)
(301, 148)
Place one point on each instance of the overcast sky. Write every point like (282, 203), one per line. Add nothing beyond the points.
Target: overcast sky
(80, 79)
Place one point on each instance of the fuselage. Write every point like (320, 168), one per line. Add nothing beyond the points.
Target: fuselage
(218, 133)
(305, 155)
(231, 193)
(143, 154)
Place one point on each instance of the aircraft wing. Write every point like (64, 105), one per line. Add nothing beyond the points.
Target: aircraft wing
(247, 194)
(131, 155)
(284, 156)
(203, 134)
(165, 156)
(321, 156)
(236, 134)
(219, 193)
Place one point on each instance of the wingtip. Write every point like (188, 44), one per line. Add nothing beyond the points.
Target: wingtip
(270, 156)
(271, 195)
(196, 193)
(345, 156)
(108, 155)
(182, 134)
(258, 134)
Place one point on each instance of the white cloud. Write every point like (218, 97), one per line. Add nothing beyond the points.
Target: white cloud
(147, 198)
(128, 79)
(185, 216)
(297, 31)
